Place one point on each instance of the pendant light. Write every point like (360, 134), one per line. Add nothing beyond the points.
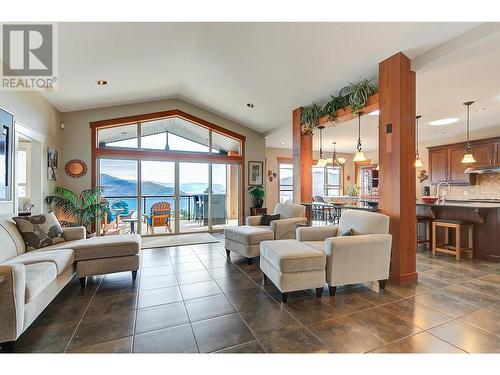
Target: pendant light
(360, 155)
(468, 158)
(334, 161)
(321, 162)
(418, 162)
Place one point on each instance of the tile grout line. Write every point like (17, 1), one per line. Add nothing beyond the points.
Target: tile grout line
(83, 316)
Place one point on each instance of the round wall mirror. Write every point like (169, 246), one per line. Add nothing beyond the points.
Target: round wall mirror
(76, 168)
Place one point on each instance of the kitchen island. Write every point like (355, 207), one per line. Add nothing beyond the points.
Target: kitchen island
(485, 216)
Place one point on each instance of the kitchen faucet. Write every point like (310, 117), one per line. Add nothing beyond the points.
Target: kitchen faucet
(440, 194)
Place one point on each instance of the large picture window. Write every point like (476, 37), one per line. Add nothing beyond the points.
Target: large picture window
(286, 182)
(168, 172)
(327, 181)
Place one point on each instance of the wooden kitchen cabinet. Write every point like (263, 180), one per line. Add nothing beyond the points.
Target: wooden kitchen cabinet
(438, 166)
(497, 153)
(484, 154)
(456, 175)
(445, 162)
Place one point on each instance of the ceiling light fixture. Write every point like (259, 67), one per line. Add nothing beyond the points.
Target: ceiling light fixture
(321, 162)
(480, 109)
(444, 121)
(250, 105)
(440, 133)
(418, 162)
(334, 161)
(102, 82)
(468, 157)
(360, 155)
(374, 113)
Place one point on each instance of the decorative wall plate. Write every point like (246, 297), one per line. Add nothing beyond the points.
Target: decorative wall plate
(76, 168)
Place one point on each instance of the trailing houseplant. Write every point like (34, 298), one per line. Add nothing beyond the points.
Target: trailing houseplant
(334, 104)
(309, 117)
(82, 210)
(258, 194)
(358, 93)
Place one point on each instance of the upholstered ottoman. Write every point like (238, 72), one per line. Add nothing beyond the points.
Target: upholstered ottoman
(292, 265)
(245, 240)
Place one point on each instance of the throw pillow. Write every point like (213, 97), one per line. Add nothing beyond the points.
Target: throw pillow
(266, 219)
(346, 233)
(39, 230)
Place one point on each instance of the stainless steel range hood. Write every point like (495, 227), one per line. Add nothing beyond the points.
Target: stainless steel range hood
(483, 170)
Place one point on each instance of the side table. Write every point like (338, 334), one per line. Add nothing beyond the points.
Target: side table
(258, 211)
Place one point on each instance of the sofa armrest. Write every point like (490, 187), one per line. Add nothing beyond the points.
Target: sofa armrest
(253, 220)
(12, 294)
(285, 228)
(74, 233)
(316, 233)
(357, 259)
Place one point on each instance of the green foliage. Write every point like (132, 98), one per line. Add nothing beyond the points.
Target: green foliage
(354, 95)
(257, 191)
(351, 190)
(310, 115)
(83, 209)
(334, 104)
(359, 92)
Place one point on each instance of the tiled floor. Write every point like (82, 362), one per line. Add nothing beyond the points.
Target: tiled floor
(190, 299)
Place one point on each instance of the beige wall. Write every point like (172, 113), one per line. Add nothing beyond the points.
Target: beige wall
(77, 144)
(272, 155)
(32, 111)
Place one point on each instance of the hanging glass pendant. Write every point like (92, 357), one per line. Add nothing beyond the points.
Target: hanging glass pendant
(418, 162)
(468, 157)
(360, 155)
(321, 162)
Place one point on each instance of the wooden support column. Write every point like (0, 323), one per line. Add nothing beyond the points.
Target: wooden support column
(397, 162)
(302, 161)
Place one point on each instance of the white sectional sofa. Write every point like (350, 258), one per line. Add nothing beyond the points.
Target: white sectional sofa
(29, 281)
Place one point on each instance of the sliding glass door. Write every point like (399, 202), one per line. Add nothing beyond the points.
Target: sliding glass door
(119, 179)
(153, 197)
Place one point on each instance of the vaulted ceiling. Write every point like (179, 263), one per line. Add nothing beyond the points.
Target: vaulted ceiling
(224, 66)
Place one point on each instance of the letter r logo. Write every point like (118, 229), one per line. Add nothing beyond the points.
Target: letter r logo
(27, 50)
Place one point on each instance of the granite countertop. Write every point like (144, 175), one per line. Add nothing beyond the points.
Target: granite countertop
(456, 203)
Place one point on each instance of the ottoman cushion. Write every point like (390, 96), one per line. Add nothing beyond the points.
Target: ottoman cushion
(292, 256)
(102, 247)
(248, 235)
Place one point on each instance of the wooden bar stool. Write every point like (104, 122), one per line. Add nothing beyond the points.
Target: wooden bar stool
(459, 226)
(428, 231)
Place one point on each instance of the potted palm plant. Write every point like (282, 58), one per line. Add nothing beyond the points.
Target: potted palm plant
(82, 210)
(258, 194)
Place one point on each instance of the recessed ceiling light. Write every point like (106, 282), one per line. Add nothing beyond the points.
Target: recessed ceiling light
(444, 121)
(282, 143)
(375, 113)
(481, 109)
(441, 133)
(102, 82)
(250, 105)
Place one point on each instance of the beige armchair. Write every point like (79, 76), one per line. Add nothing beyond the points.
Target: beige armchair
(362, 257)
(284, 228)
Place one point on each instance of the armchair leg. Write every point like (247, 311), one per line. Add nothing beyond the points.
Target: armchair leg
(228, 254)
(249, 261)
(382, 283)
(83, 281)
(319, 292)
(264, 277)
(332, 290)
(7, 347)
(284, 297)
(134, 275)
